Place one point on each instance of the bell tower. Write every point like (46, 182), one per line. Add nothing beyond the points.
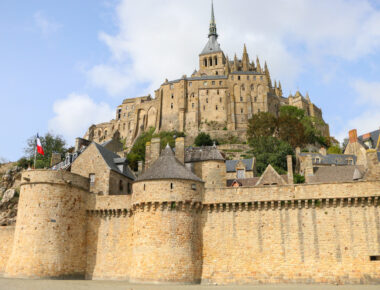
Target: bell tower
(212, 60)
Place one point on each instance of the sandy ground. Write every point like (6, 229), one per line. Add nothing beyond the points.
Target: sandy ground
(20, 284)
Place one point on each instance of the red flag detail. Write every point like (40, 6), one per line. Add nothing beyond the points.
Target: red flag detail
(40, 150)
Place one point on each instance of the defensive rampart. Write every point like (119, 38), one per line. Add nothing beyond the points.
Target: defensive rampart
(49, 239)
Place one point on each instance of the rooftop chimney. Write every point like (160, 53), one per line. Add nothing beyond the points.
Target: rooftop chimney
(290, 168)
(353, 136)
(180, 149)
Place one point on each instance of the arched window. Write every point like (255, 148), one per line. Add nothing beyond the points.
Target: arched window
(215, 60)
(205, 62)
(105, 133)
(216, 73)
(171, 185)
(171, 105)
(210, 61)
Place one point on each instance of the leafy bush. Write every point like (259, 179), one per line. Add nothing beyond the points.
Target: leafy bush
(297, 178)
(203, 139)
(334, 150)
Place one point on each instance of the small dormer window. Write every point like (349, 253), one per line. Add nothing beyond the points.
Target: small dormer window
(368, 143)
(92, 179)
(120, 167)
(240, 174)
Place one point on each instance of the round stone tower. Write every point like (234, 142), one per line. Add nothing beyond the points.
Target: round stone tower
(49, 238)
(167, 233)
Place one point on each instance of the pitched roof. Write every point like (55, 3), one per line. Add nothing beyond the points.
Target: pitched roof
(337, 173)
(337, 159)
(231, 164)
(204, 153)
(168, 167)
(112, 159)
(270, 177)
(373, 136)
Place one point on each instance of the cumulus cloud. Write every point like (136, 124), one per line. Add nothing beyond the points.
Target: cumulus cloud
(46, 26)
(162, 39)
(368, 102)
(75, 114)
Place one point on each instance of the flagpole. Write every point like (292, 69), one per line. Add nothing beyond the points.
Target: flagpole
(35, 153)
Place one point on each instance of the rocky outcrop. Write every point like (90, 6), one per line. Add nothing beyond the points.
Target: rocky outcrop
(9, 193)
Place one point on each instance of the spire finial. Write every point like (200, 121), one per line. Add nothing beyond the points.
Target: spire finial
(245, 49)
(212, 30)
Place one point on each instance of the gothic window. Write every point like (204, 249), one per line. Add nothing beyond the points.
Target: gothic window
(215, 60)
(238, 78)
(241, 99)
(216, 73)
(99, 133)
(241, 111)
(118, 114)
(213, 83)
(207, 100)
(171, 105)
(252, 88)
(216, 107)
(206, 92)
(171, 185)
(205, 62)
(210, 61)
(220, 83)
(220, 99)
(192, 105)
(217, 92)
(172, 96)
(129, 188)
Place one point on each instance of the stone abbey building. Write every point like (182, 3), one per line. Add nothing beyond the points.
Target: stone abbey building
(220, 97)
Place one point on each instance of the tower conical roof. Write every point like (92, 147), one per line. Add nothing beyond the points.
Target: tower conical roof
(168, 167)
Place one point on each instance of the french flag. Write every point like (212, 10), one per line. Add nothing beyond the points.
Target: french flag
(40, 150)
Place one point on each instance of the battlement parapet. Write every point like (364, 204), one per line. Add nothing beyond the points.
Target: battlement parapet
(276, 193)
(52, 177)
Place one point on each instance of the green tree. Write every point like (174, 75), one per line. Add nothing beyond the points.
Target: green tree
(203, 139)
(50, 143)
(291, 130)
(270, 150)
(262, 124)
(298, 178)
(334, 150)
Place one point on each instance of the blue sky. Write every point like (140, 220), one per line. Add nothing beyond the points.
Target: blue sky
(67, 64)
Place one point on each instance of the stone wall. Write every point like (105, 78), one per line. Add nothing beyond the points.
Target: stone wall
(6, 242)
(292, 234)
(49, 239)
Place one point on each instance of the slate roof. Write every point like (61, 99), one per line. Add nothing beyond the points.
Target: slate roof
(330, 159)
(212, 45)
(204, 153)
(231, 164)
(378, 156)
(337, 173)
(374, 136)
(110, 158)
(168, 167)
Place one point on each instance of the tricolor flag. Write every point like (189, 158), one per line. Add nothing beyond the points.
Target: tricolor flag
(40, 150)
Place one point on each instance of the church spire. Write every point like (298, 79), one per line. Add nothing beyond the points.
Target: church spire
(212, 30)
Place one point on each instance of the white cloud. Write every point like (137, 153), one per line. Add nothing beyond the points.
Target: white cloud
(75, 114)
(46, 26)
(367, 120)
(162, 39)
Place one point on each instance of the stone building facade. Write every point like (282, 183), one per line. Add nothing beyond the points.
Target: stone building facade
(182, 224)
(219, 98)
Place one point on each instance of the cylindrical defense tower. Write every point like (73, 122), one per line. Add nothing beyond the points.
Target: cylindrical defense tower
(167, 233)
(49, 239)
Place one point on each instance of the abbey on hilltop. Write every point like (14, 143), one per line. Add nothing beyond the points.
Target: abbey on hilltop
(218, 99)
